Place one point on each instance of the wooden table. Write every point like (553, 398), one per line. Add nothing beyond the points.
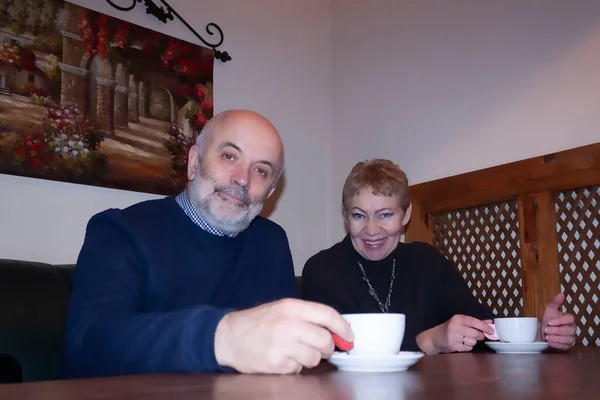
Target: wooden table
(565, 376)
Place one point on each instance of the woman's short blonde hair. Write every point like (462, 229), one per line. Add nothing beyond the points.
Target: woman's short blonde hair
(382, 176)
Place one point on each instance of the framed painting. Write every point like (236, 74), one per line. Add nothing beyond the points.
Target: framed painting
(91, 99)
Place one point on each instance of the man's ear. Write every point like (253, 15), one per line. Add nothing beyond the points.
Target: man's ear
(193, 159)
(407, 215)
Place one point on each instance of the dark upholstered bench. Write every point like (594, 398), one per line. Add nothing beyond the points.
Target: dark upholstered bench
(33, 306)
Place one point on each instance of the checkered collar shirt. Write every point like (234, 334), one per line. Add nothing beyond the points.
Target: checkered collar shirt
(188, 208)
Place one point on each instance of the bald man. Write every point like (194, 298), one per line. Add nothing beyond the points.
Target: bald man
(198, 282)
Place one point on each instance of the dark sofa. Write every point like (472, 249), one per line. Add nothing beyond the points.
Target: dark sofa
(33, 306)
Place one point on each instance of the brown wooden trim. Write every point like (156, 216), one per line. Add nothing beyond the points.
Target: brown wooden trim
(539, 251)
(418, 229)
(553, 172)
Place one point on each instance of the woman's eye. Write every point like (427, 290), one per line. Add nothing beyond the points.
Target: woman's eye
(228, 156)
(357, 216)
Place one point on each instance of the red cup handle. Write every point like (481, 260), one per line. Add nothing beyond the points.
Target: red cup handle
(341, 343)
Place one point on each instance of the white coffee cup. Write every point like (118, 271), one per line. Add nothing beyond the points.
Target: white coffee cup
(376, 334)
(516, 329)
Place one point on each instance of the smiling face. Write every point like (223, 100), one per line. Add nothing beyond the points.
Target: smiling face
(375, 223)
(234, 169)
(376, 206)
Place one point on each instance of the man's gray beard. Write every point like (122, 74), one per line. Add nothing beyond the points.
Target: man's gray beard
(225, 225)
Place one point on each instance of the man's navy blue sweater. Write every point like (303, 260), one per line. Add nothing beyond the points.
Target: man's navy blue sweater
(151, 286)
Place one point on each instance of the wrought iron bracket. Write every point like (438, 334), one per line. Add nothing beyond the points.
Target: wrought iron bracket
(167, 13)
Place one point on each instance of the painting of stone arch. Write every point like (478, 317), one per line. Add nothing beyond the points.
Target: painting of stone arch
(90, 99)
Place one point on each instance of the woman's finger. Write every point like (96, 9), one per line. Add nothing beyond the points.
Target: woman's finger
(469, 342)
(565, 319)
(560, 346)
(463, 348)
(565, 330)
(476, 324)
(472, 333)
(565, 340)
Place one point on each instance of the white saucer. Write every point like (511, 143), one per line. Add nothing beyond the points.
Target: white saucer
(398, 362)
(518, 348)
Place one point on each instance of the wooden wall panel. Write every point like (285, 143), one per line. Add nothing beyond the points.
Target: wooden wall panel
(552, 172)
(418, 229)
(535, 183)
(539, 251)
(578, 229)
(483, 244)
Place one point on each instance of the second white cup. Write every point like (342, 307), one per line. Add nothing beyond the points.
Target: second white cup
(517, 329)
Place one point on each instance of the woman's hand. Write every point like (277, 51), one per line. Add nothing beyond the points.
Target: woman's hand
(558, 328)
(459, 334)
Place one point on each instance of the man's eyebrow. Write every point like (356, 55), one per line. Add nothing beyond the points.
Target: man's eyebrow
(235, 146)
(269, 163)
(231, 144)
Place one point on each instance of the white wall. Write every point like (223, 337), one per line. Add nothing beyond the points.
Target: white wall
(444, 88)
(439, 87)
(280, 67)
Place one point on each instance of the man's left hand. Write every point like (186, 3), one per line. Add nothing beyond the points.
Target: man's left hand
(558, 328)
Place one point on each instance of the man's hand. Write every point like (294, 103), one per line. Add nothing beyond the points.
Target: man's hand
(460, 333)
(279, 338)
(558, 328)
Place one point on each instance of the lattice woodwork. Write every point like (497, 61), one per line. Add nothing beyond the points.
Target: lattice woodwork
(483, 244)
(578, 220)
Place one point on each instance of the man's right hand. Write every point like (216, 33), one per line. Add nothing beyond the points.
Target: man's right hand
(280, 337)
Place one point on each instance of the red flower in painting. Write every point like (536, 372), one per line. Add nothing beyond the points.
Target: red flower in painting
(120, 36)
(205, 64)
(207, 104)
(33, 148)
(151, 43)
(199, 94)
(169, 54)
(185, 67)
(86, 32)
(183, 91)
(199, 120)
(34, 90)
(84, 21)
(178, 145)
(87, 40)
(183, 48)
(102, 45)
(27, 59)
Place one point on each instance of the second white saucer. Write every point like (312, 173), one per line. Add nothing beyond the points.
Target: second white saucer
(518, 348)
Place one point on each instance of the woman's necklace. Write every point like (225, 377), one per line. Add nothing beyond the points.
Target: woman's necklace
(384, 307)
